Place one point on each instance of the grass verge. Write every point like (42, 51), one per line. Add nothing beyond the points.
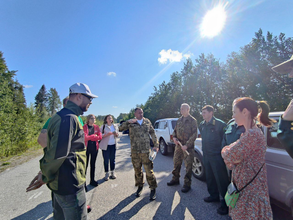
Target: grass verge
(13, 161)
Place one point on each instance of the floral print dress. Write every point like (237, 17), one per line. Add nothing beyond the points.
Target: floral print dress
(245, 157)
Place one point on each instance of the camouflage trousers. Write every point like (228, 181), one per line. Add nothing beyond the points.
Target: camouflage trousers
(139, 159)
(179, 156)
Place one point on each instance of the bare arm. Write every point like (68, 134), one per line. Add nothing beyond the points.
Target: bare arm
(42, 139)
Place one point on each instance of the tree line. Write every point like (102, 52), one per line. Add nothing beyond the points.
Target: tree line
(207, 81)
(20, 124)
(202, 81)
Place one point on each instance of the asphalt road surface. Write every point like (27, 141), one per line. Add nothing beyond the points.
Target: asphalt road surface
(113, 199)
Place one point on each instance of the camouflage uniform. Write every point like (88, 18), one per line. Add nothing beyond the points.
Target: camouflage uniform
(140, 149)
(186, 132)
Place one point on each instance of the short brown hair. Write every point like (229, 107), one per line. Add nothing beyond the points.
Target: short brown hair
(137, 109)
(209, 108)
(65, 100)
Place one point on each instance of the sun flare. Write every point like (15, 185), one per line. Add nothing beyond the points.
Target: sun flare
(213, 22)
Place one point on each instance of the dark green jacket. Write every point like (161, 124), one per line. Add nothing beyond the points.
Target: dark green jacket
(140, 135)
(232, 133)
(285, 135)
(212, 133)
(64, 160)
(186, 131)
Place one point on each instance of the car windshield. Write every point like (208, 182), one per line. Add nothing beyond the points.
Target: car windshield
(174, 124)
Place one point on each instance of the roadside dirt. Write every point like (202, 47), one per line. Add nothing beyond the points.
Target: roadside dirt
(14, 161)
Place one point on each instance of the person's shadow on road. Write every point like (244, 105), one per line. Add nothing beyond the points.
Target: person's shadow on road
(115, 213)
(41, 211)
(178, 205)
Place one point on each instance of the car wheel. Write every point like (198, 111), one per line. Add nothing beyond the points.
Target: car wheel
(197, 167)
(163, 147)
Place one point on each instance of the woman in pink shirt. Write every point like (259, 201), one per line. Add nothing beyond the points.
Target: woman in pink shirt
(92, 135)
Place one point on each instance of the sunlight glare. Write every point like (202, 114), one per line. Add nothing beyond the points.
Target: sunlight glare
(213, 22)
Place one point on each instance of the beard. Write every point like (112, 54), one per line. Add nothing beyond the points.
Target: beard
(84, 107)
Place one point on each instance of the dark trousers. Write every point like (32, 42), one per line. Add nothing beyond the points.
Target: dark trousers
(93, 152)
(109, 154)
(216, 176)
(70, 207)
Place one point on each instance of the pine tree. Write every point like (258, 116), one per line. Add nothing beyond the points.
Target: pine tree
(41, 103)
(54, 103)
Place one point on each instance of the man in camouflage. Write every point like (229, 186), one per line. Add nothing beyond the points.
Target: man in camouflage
(140, 130)
(185, 133)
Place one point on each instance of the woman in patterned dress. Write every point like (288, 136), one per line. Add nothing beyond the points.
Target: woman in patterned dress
(245, 158)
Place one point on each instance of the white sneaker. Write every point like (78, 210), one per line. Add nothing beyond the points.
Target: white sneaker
(113, 176)
(106, 176)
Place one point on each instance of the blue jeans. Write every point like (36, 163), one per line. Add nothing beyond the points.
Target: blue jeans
(70, 207)
(109, 154)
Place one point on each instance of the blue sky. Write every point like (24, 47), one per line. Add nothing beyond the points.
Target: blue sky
(122, 49)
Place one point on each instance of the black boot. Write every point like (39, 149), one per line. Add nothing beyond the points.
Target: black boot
(138, 192)
(153, 194)
(94, 183)
(210, 199)
(185, 189)
(173, 183)
(223, 210)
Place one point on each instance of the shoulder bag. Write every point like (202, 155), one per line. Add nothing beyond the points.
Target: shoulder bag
(232, 193)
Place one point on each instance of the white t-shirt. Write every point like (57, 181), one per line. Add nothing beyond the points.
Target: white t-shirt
(112, 138)
(140, 121)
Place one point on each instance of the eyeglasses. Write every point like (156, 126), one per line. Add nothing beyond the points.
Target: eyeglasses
(90, 98)
(93, 118)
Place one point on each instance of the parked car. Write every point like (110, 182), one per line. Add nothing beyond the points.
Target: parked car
(278, 162)
(198, 169)
(164, 129)
(279, 168)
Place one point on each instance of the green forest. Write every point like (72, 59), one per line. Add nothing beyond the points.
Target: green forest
(204, 80)
(207, 81)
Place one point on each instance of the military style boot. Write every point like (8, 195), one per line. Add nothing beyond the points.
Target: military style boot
(153, 194)
(138, 192)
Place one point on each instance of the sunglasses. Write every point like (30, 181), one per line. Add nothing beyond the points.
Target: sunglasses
(90, 98)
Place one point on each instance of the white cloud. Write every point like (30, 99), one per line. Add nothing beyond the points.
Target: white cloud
(27, 86)
(172, 56)
(188, 55)
(115, 107)
(111, 74)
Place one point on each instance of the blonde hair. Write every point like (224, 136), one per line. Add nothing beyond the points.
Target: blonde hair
(185, 104)
(88, 118)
